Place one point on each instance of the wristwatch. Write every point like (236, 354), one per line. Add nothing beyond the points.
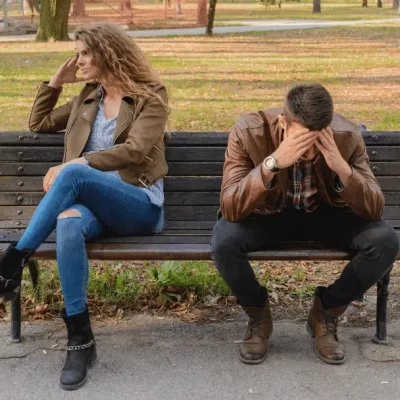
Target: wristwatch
(270, 164)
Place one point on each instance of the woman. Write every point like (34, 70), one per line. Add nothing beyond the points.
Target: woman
(111, 177)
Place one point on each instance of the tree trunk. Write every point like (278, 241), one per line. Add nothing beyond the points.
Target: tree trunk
(316, 7)
(53, 20)
(380, 4)
(165, 9)
(202, 12)
(78, 10)
(125, 5)
(365, 3)
(211, 16)
(395, 4)
(179, 7)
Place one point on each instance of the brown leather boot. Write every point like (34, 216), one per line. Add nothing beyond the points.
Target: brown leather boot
(254, 347)
(322, 325)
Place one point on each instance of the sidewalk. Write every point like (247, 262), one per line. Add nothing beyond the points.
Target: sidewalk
(148, 358)
(245, 26)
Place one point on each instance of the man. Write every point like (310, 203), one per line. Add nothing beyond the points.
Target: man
(300, 172)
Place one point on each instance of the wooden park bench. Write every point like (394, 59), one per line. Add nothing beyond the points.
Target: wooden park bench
(191, 204)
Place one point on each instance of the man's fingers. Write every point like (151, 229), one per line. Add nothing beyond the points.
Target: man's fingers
(326, 142)
(320, 147)
(311, 135)
(300, 133)
(306, 142)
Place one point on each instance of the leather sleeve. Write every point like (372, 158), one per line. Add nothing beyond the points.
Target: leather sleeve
(44, 117)
(243, 185)
(363, 193)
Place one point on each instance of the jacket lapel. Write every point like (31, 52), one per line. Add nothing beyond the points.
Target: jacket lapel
(124, 119)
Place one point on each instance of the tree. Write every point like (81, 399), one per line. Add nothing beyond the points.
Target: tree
(34, 6)
(53, 20)
(178, 7)
(316, 7)
(395, 4)
(211, 16)
(78, 9)
(380, 4)
(365, 3)
(125, 5)
(202, 12)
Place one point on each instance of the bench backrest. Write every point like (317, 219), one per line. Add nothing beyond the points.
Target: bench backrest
(191, 187)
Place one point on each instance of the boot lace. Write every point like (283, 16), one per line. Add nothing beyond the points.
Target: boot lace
(255, 327)
(331, 322)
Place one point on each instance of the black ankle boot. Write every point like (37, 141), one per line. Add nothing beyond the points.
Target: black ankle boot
(11, 266)
(81, 350)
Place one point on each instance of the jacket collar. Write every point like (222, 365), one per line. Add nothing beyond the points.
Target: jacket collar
(98, 93)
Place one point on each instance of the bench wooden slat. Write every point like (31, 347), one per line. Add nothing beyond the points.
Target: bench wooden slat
(17, 168)
(36, 154)
(383, 153)
(198, 226)
(171, 198)
(172, 213)
(195, 153)
(172, 183)
(385, 168)
(47, 154)
(175, 168)
(31, 139)
(382, 137)
(176, 139)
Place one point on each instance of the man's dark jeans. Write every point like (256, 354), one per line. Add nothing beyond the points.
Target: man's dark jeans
(374, 243)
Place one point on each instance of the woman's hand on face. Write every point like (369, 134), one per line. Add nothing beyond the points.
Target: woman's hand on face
(66, 73)
(53, 172)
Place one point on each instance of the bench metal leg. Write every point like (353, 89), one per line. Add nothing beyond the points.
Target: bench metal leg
(381, 310)
(16, 319)
(16, 304)
(34, 272)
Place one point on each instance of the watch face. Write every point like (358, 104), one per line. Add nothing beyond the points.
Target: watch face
(270, 163)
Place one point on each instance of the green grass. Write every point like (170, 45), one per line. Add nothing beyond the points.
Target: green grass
(110, 285)
(198, 276)
(213, 81)
(332, 11)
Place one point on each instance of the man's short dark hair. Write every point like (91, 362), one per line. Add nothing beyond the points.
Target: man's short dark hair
(310, 105)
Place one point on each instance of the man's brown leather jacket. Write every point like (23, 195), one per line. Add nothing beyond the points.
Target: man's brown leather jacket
(257, 135)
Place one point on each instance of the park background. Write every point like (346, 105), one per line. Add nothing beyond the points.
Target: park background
(212, 81)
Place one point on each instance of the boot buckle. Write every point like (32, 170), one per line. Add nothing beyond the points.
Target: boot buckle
(5, 281)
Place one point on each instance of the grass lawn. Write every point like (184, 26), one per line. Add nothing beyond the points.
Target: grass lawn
(212, 81)
(332, 10)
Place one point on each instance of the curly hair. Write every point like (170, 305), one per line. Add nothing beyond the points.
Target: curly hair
(120, 59)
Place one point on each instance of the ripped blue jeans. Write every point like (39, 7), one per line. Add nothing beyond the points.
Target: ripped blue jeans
(104, 205)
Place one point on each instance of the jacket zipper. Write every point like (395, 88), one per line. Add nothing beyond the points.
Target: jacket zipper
(121, 131)
(69, 130)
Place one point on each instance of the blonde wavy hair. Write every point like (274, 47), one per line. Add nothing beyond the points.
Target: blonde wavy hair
(120, 60)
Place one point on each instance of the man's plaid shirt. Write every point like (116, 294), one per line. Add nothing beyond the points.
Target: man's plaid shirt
(302, 193)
